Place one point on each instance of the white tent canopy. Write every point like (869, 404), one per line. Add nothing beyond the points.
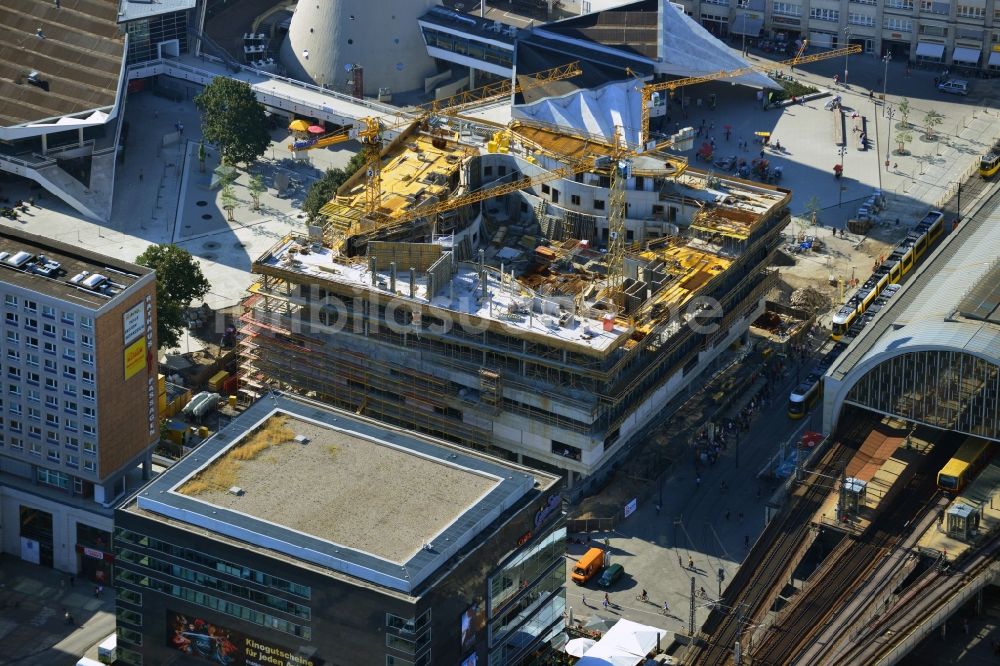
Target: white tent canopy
(625, 644)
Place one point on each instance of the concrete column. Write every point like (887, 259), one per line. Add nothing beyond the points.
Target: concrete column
(147, 465)
(45, 143)
(79, 133)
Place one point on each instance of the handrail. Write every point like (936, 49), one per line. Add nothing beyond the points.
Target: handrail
(40, 164)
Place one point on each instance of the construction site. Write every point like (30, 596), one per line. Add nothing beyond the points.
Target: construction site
(540, 291)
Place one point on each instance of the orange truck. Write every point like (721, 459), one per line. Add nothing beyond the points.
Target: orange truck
(588, 566)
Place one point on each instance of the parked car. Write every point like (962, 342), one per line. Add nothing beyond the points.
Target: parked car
(611, 575)
(954, 86)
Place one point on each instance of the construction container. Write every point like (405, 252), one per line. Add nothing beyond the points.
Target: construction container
(609, 323)
(232, 401)
(215, 383)
(203, 432)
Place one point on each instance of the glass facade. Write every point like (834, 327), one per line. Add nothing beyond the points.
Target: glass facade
(145, 34)
(945, 389)
(468, 47)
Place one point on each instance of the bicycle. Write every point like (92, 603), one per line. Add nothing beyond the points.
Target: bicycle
(643, 598)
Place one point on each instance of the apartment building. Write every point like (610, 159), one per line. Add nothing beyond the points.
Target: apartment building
(78, 401)
(963, 35)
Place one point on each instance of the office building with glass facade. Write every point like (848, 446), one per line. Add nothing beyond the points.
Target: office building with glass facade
(313, 536)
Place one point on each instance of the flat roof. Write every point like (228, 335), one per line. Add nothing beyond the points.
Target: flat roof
(928, 308)
(342, 488)
(129, 10)
(40, 274)
(79, 59)
(374, 502)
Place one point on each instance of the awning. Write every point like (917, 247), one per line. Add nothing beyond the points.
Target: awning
(930, 50)
(746, 25)
(994, 59)
(963, 54)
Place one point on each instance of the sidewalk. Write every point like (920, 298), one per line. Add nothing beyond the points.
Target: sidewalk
(33, 601)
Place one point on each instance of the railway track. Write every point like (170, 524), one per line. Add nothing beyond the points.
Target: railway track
(768, 562)
(811, 613)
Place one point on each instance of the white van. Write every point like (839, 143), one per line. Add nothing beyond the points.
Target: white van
(954, 86)
(107, 650)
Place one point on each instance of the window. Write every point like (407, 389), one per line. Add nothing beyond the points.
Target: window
(88, 429)
(51, 384)
(48, 311)
(49, 330)
(865, 2)
(69, 406)
(30, 323)
(34, 378)
(546, 189)
(87, 340)
(31, 359)
(50, 348)
(898, 24)
(13, 389)
(88, 394)
(51, 419)
(35, 431)
(12, 319)
(10, 301)
(88, 378)
(69, 335)
(15, 425)
(89, 465)
(71, 425)
(87, 358)
(53, 455)
(15, 408)
(787, 9)
(860, 19)
(933, 30)
(824, 14)
(69, 371)
(89, 412)
(52, 402)
(598, 204)
(31, 342)
(35, 449)
(72, 461)
(86, 322)
(69, 389)
(13, 354)
(487, 171)
(13, 372)
(72, 443)
(51, 477)
(68, 318)
(13, 337)
(964, 11)
(69, 354)
(17, 443)
(574, 199)
(50, 365)
(30, 306)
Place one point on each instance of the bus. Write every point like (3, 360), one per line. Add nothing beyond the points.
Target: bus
(970, 457)
(805, 396)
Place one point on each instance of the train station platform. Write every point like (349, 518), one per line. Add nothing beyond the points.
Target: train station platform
(979, 505)
(884, 463)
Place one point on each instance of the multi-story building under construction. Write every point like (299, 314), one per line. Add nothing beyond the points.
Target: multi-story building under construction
(493, 324)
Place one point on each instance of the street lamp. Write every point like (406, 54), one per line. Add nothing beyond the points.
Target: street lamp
(743, 4)
(885, 78)
(847, 42)
(888, 138)
(840, 187)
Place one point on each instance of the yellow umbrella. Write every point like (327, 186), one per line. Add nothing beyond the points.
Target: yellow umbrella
(299, 126)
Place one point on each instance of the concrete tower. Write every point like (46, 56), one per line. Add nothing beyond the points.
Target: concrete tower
(326, 37)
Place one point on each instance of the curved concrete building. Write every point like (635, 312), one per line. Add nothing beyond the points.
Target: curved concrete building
(326, 37)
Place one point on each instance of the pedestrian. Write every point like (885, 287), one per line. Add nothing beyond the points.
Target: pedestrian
(871, 95)
(97, 591)
(727, 514)
(68, 616)
(58, 6)
(690, 562)
(607, 599)
(761, 153)
(666, 608)
(894, 165)
(605, 604)
(140, 175)
(697, 481)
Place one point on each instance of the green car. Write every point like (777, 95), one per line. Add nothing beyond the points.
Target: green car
(611, 575)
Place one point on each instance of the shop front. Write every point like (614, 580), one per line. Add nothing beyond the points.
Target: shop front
(93, 554)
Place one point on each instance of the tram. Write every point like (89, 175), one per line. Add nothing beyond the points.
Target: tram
(805, 395)
(989, 164)
(900, 261)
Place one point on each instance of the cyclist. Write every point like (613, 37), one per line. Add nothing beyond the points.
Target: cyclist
(702, 593)
(644, 597)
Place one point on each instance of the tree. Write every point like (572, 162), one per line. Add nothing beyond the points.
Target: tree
(324, 189)
(179, 281)
(904, 111)
(233, 120)
(903, 137)
(932, 120)
(256, 187)
(813, 207)
(229, 201)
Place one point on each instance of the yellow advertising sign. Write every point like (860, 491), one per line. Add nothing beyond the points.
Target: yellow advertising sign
(135, 357)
